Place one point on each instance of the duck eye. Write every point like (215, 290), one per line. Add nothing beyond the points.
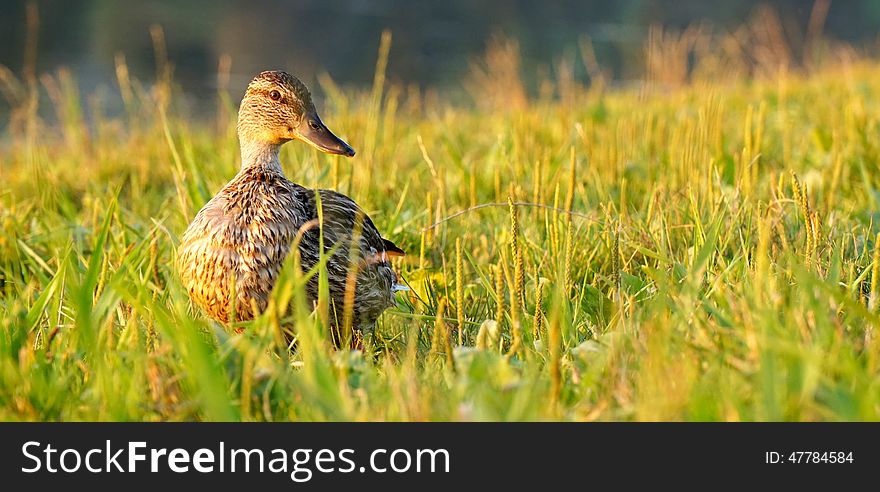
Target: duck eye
(275, 95)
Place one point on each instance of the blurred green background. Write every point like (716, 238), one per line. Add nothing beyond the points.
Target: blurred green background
(434, 41)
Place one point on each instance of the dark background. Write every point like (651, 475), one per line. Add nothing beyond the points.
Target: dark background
(433, 41)
(491, 456)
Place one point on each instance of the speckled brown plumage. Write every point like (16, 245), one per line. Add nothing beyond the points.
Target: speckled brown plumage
(238, 242)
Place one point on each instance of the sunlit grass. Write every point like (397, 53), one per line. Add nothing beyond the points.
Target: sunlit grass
(719, 261)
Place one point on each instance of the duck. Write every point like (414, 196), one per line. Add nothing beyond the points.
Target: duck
(231, 254)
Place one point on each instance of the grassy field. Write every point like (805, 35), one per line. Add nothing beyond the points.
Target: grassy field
(685, 248)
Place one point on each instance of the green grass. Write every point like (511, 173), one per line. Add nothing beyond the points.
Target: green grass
(720, 261)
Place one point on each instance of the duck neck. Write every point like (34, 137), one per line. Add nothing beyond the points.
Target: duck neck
(261, 156)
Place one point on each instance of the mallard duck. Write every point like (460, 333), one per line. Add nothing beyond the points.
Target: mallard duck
(232, 252)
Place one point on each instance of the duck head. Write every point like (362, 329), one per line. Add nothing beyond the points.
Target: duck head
(277, 108)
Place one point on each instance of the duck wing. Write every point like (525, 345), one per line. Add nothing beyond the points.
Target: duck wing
(341, 217)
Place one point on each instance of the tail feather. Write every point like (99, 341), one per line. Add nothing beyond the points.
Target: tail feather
(392, 249)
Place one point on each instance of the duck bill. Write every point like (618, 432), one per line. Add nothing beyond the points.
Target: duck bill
(314, 132)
